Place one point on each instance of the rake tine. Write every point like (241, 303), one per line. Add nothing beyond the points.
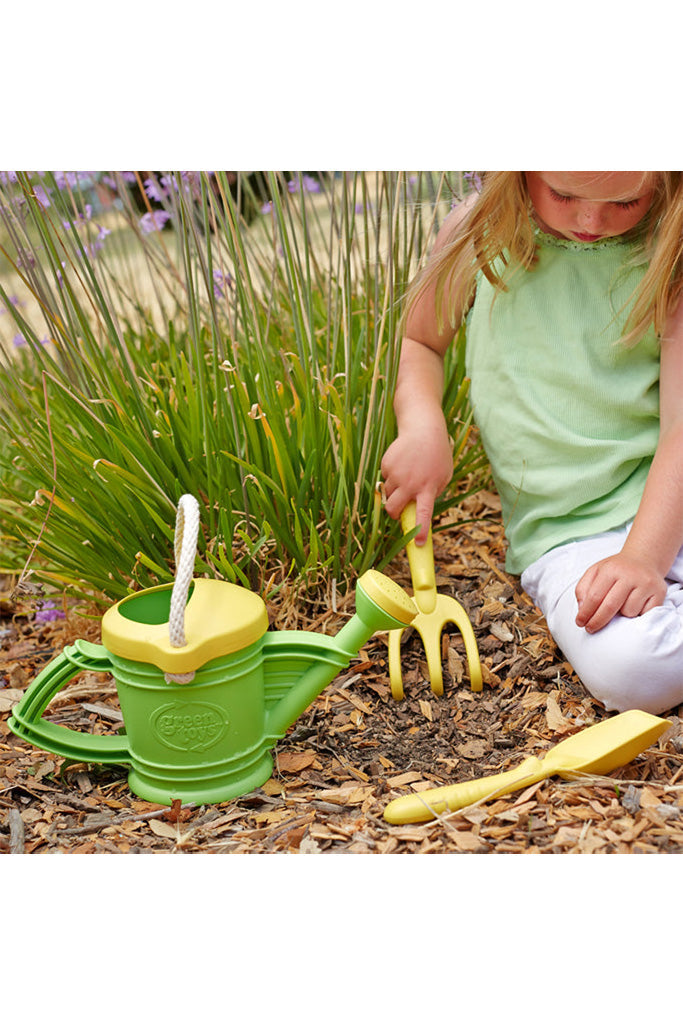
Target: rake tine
(431, 641)
(460, 619)
(395, 674)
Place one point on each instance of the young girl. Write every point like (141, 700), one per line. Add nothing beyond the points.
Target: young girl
(570, 285)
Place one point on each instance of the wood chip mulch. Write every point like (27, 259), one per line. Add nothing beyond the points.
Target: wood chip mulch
(356, 748)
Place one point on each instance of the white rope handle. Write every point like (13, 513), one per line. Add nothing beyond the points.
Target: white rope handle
(185, 549)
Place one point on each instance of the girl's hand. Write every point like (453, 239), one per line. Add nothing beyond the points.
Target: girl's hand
(620, 584)
(417, 466)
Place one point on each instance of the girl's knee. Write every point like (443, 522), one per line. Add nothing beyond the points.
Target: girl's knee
(631, 663)
(628, 687)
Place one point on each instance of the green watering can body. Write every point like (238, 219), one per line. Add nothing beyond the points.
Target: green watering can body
(202, 731)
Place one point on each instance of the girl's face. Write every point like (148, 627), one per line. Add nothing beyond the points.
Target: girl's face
(589, 205)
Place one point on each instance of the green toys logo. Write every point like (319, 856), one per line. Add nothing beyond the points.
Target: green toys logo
(189, 726)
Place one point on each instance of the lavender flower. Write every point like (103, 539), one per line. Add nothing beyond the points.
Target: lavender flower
(19, 341)
(25, 259)
(220, 280)
(66, 179)
(473, 180)
(191, 183)
(14, 300)
(110, 181)
(48, 612)
(154, 192)
(153, 221)
(41, 195)
(309, 183)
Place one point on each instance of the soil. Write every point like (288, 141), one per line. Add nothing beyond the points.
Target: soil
(356, 747)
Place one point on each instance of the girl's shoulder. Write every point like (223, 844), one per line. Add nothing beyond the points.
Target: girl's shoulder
(455, 221)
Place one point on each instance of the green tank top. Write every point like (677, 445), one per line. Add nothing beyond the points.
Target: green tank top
(568, 416)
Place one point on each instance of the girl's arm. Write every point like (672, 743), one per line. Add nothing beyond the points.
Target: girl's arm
(418, 465)
(633, 581)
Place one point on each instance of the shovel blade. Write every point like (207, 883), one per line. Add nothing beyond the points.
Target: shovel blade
(601, 748)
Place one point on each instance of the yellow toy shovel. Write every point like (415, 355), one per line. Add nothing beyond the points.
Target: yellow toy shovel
(434, 611)
(597, 750)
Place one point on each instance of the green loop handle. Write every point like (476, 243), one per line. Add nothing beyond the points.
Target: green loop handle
(26, 720)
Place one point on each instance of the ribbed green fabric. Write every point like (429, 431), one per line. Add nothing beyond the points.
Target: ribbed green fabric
(569, 417)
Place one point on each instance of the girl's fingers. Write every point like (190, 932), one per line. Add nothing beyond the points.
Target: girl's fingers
(598, 610)
(424, 507)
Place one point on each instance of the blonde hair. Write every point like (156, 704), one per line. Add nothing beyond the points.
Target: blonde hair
(497, 239)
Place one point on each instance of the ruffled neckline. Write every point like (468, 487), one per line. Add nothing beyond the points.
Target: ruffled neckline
(569, 243)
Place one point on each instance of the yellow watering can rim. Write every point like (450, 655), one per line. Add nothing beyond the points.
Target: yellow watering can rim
(220, 618)
(181, 626)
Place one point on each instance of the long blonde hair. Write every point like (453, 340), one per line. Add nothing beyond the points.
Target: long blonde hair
(497, 238)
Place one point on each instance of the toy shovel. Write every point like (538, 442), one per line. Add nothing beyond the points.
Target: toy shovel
(434, 611)
(597, 750)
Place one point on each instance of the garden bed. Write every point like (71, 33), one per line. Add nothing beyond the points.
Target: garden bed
(356, 748)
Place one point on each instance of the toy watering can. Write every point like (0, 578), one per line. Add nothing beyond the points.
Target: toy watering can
(205, 690)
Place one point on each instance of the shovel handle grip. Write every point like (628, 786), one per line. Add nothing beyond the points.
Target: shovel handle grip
(27, 722)
(428, 804)
(421, 561)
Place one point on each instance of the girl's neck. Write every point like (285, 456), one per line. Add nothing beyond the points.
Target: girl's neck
(542, 226)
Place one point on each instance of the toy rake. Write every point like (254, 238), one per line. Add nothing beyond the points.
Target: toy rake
(434, 612)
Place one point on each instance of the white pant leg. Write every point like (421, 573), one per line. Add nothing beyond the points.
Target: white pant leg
(630, 663)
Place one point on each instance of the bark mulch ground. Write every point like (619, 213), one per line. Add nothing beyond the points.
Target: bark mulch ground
(356, 748)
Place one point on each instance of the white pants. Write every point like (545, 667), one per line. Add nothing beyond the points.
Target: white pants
(630, 663)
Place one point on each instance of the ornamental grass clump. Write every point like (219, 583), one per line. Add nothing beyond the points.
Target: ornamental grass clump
(230, 336)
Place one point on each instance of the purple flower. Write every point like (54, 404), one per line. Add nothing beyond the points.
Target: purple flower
(473, 180)
(309, 184)
(66, 178)
(19, 341)
(267, 208)
(153, 191)
(41, 195)
(219, 281)
(25, 259)
(153, 221)
(191, 182)
(110, 181)
(14, 300)
(48, 612)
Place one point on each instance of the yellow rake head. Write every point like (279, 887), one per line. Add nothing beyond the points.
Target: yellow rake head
(435, 611)
(430, 626)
